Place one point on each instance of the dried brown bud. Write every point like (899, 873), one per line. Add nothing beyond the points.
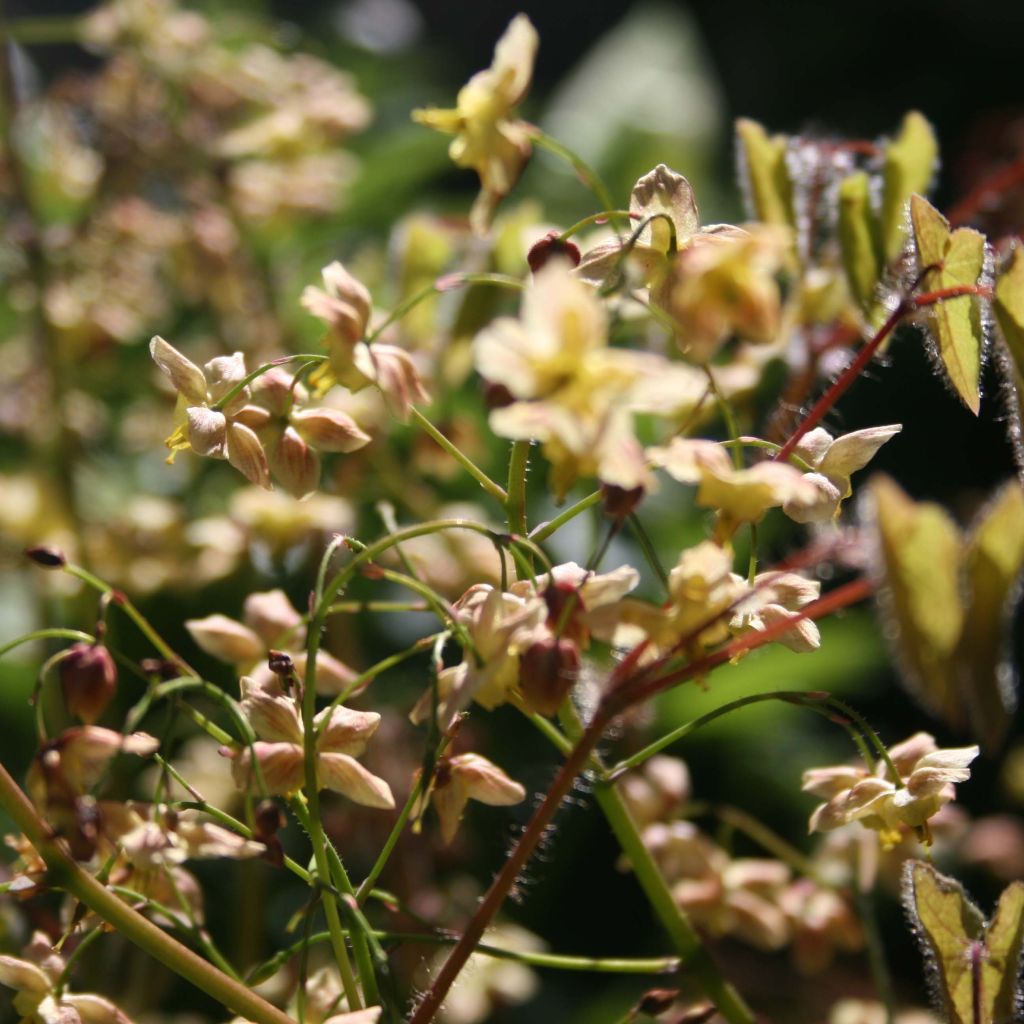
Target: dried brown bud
(161, 667)
(281, 664)
(548, 670)
(552, 245)
(657, 1000)
(47, 557)
(269, 819)
(88, 677)
(619, 503)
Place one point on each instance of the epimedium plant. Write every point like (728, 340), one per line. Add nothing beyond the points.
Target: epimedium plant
(638, 354)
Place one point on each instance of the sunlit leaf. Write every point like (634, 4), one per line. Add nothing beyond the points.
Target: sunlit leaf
(974, 965)
(956, 259)
(910, 161)
(1009, 307)
(857, 238)
(764, 168)
(993, 560)
(920, 548)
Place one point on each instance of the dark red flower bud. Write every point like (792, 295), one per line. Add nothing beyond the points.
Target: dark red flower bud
(161, 667)
(281, 664)
(548, 670)
(88, 677)
(549, 246)
(47, 557)
(619, 503)
(269, 820)
(497, 396)
(565, 606)
(657, 1000)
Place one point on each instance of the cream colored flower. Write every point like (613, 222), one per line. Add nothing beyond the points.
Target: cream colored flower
(210, 429)
(487, 138)
(35, 980)
(925, 784)
(834, 461)
(744, 495)
(773, 599)
(269, 622)
(342, 735)
(466, 777)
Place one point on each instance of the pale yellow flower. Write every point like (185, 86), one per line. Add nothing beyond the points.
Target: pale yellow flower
(925, 784)
(487, 138)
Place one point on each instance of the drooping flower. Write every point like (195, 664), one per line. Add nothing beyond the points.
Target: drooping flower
(278, 753)
(208, 427)
(773, 598)
(40, 996)
(834, 461)
(269, 622)
(487, 138)
(925, 784)
(466, 777)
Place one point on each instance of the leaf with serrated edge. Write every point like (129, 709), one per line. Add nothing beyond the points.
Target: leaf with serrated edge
(994, 558)
(956, 259)
(1001, 968)
(910, 161)
(857, 238)
(920, 562)
(764, 160)
(947, 923)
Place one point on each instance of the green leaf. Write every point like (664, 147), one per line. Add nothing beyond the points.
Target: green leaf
(920, 549)
(956, 259)
(1009, 307)
(993, 561)
(857, 239)
(910, 161)
(764, 162)
(974, 964)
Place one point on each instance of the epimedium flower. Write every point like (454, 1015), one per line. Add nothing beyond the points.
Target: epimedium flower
(726, 290)
(879, 802)
(41, 998)
(742, 495)
(464, 777)
(487, 138)
(346, 307)
(834, 461)
(665, 220)
(269, 622)
(773, 598)
(341, 736)
(207, 429)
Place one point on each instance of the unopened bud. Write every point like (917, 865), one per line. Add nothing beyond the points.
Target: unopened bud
(548, 670)
(47, 557)
(281, 664)
(88, 677)
(549, 247)
(497, 396)
(295, 465)
(163, 668)
(618, 503)
(269, 820)
(657, 1000)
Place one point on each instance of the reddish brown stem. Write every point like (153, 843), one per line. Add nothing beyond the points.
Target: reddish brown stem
(839, 387)
(628, 695)
(617, 700)
(992, 188)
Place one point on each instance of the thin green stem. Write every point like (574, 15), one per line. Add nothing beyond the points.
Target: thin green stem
(647, 547)
(515, 502)
(541, 533)
(123, 602)
(492, 488)
(875, 947)
(770, 841)
(69, 964)
(355, 607)
(65, 874)
(307, 359)
(584, 171)
(44, 31)
(48, 634)
(768, 446)
(594, 218)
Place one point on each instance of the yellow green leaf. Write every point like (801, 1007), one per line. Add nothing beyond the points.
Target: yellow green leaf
(857, 238)
(920, 549)
(910, 161)
(764, 160)
(1009, 307)
(956, 259)
(974, 964)
(993, 560)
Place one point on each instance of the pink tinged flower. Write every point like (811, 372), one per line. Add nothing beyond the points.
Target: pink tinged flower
(329, 430)
(88, 678)
(834, 461)
(394, 372)
(773, 599)
(81, 755)
(226, 639)
(466, 777)
(295, 465)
